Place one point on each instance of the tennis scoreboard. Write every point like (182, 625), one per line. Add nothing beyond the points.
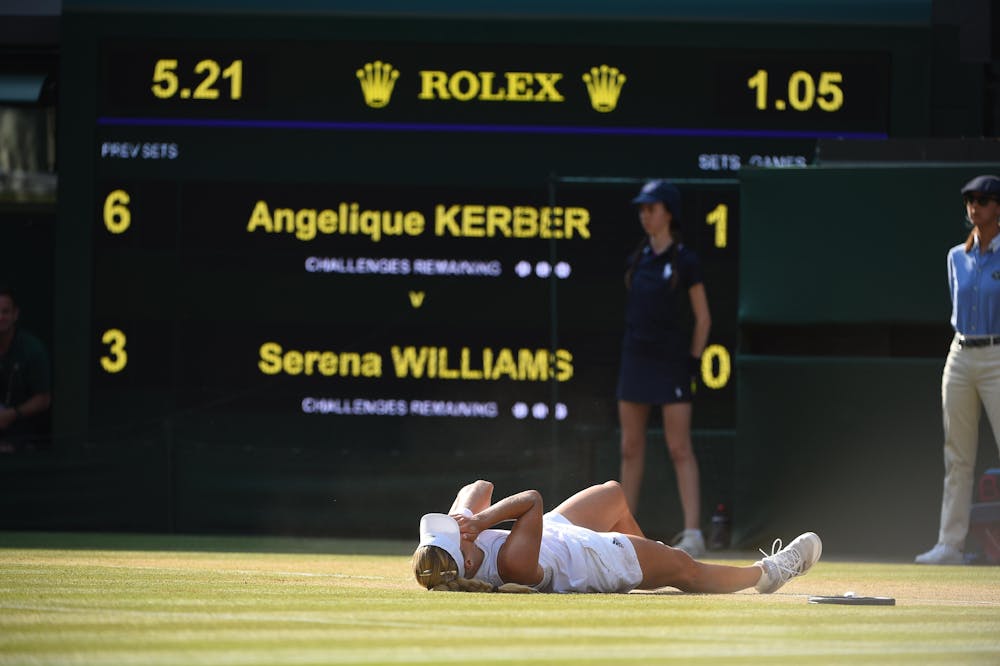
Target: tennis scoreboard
(355, 232)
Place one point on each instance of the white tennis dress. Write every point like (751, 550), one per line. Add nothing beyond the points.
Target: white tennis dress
(573, 558)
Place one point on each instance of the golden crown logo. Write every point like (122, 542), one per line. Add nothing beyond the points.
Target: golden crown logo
(377, 79)
(604, 84)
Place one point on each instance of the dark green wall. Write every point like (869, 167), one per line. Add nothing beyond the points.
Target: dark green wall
(844, 317)
(849, 448)
(850, 244)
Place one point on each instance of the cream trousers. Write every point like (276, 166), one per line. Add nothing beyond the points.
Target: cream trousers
(971, 379)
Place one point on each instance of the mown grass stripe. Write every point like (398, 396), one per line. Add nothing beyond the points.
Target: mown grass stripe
(148, 601)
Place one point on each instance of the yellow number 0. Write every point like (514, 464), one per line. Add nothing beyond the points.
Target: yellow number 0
(118, 357)
(117, 216)
(712, 379)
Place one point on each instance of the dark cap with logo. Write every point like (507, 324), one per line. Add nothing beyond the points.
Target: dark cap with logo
(983, 184)
(664, 192)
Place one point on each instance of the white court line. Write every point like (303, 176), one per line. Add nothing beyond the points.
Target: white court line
(254, 616)
(242, 572)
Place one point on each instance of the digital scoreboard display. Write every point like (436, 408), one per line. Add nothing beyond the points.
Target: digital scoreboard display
(408, 236)
(303, 302)
(361, 85)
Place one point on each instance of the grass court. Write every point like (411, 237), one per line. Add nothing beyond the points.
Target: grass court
(116, 600)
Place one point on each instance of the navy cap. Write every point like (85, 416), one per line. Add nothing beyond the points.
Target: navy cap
(984, 184)
(664, 192)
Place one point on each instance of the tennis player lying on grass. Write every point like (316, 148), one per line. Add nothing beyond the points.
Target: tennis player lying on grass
(589, 543)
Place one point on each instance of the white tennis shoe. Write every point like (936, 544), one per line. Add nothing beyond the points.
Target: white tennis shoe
(691, 542)
(786, 563)
(942, 553)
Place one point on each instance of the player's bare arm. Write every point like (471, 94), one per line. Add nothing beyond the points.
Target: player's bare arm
(475, 497)
(517, 561)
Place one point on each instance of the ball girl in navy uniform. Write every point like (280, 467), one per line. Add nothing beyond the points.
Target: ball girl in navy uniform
(667, 322)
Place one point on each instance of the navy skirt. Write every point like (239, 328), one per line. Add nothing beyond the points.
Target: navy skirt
(654, 374)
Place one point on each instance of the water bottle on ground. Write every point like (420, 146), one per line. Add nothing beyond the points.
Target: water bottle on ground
(718, 538)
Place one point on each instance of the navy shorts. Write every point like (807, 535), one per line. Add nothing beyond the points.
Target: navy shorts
(653, 376)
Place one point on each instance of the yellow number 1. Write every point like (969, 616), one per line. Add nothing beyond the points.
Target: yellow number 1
(720, 218)
(117, 357)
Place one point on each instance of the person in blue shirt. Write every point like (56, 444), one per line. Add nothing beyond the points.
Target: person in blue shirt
(667, 322)
(971, 377)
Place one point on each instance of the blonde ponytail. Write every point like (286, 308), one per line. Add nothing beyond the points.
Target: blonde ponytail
(463, 585)
(437, 571)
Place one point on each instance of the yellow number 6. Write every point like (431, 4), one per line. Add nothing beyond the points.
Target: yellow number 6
(117, 216)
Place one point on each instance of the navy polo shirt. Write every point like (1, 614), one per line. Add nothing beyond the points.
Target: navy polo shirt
(657, 312)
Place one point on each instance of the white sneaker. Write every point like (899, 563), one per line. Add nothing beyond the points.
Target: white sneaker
(942, 553)
(786, 563)
(691, 542)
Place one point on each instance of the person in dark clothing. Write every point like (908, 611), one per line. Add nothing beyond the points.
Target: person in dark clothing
(25, 381)
(667, 322)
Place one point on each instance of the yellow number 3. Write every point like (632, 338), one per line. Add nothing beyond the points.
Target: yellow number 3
(117, 358)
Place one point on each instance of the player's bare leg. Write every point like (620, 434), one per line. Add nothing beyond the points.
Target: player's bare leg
(663, 566)
(601, 508)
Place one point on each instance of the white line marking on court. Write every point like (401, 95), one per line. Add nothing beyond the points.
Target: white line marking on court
(254, 616)
(246, 572)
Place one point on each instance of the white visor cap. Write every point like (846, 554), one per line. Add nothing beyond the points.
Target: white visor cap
(441, 530)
